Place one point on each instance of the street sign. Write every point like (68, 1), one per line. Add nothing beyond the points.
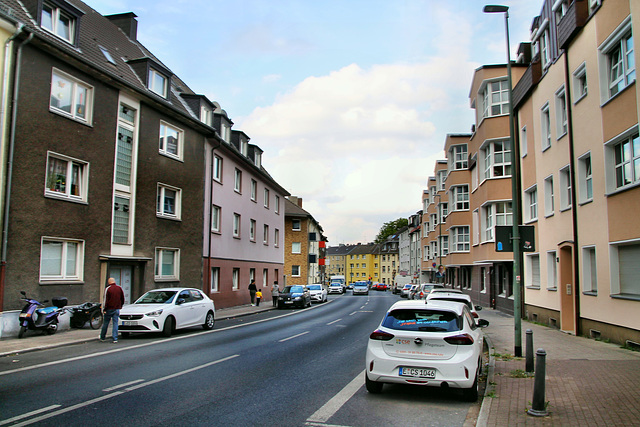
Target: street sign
(504, 238)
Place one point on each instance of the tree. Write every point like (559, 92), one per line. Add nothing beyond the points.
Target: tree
(390, 228)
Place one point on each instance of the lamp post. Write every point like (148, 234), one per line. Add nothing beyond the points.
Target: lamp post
(515, 203)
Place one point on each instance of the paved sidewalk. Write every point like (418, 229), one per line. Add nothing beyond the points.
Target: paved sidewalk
(35, 341)
(588, 382)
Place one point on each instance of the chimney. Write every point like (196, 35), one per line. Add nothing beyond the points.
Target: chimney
(126, 22)
(299, 201)
(296, 200)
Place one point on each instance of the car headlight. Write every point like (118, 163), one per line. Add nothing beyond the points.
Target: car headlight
(297, 298)
(155, 313)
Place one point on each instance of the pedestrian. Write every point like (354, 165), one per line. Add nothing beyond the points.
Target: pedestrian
(113, 301)
(275, 290)
(258, 297)
(252, 292)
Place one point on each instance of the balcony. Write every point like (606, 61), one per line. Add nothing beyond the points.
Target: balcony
(529, 79)
(572, 22)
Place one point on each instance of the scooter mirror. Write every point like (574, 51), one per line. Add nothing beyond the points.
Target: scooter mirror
(24, 294)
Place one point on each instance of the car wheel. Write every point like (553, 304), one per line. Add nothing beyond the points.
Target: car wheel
(169, 325)
(372, 386)
(471, 394)
(23, 330)
(96, 320)
(209, 321)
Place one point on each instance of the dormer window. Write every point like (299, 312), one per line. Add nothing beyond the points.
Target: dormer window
(58, 21)
(258, 159)
(244, 147)
(157, 83)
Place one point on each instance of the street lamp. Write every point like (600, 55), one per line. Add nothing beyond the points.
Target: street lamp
(515, 203)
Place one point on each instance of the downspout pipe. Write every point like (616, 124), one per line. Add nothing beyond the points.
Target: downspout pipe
(12, 138)
(207, 275)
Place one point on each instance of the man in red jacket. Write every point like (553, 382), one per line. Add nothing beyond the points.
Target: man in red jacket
(113, 301)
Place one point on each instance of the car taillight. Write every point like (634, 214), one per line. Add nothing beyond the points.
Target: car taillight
(380, 335)
(474, 314)
(462, 339)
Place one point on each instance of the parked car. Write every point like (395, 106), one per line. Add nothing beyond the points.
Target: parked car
(425, 289)
(443, 289)
(404, 293)
(336, 288)
(318, 292)
(168, 309)
(294, 296)
(435, 345)
(455, 297)
(360, 288)
(413, 290)
(380, 287)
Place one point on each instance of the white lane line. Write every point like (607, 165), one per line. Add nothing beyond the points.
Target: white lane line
(123, 348)
(118, 393)
(335, 321)
(353, 313)
(115, 387)
(335, 403)
(28, 414)
(295, 336)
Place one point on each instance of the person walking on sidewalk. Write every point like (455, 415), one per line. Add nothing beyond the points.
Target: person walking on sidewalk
(274, 293)
(113, 301)
(252, 292)
(258, 297)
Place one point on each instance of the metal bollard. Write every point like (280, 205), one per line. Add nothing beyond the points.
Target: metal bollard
(529, 351)
(538, 408)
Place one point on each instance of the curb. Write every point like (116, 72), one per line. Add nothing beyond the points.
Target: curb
(483, 415)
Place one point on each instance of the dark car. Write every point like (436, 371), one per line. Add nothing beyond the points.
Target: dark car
(294, 296)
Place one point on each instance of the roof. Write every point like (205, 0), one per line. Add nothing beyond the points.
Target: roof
(294, 211)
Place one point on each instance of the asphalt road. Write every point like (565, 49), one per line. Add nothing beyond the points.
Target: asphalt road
(291, 367)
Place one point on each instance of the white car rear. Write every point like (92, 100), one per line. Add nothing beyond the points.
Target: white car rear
(437, 344)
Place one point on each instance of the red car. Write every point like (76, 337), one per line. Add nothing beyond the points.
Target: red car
(379, 286)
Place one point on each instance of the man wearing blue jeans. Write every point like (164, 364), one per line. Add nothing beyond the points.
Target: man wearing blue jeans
(113, 301)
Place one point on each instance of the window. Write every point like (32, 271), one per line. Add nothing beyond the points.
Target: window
(434, 221)
(533, 270)
(625, 269)
(443, 209)
(266, 198)
(545, 54)
(585, 177)
(215, 219)
(252, 230)
(561, 113)
(295, 225)
(215, 279)
(442, 177)
(61, 260)
(217, 168)
(235, 279)
(444, 244)
(276, 238)
(552, 271)
(499, 213)
(580, 88)
(66, 178)
(496, 98)
(459, 156)
(549, 201)
(460, 239)
(523, 142)
(58, 22)
(531, 203)
(621, 70)
(545, 125)
(170, 140)
(237, 182)
(167, 264)
(277, 205)
(265, 238)
(624, 158)
(483, 279)
(254, 189)
(460, 197)
(295, 271)
(121, 218)
(71, 97)
(497, 159)
(158, 83)
(589, 270)
(560, 8)
(236, 225)
(565, 188)
(169, 201)
(295, 248)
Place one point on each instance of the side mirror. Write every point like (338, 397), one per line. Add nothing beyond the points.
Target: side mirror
(478, 307)
(482, 323)
(23, 293)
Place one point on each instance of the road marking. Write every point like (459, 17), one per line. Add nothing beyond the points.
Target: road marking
(335, 321)
(353, 313)
(324, 425)
(28, 414)
(335, 403)
(295, 336)
(126, 390)
(115, 387)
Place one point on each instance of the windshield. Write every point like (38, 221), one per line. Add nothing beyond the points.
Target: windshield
(360, 285)
(407, 286)
(336, 285)
(467, 303)
(293, 289)
(156, 297)
(422, 320)
(314, 287)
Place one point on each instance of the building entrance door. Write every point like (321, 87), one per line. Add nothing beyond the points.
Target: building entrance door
(124, 278)
(566, 290)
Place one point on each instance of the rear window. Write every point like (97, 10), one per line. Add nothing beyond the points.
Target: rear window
(422, 320)
(467, 303)
(314, 287)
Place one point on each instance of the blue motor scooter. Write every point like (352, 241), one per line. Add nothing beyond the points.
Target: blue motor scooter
(40, 319)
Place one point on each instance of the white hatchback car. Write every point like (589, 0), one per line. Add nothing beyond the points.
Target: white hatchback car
(168, 309)
(318, 292)
(437, 344)
(455, 297)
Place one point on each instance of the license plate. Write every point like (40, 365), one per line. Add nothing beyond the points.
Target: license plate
(417, 372)
(288, 302)
(129, 323)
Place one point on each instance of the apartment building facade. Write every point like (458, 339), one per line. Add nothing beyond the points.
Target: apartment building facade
(305, 248)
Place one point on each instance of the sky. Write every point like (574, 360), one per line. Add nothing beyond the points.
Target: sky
(351, 100)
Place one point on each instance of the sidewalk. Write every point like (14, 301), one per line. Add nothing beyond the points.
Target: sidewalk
(34, 341)
(588, 382)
